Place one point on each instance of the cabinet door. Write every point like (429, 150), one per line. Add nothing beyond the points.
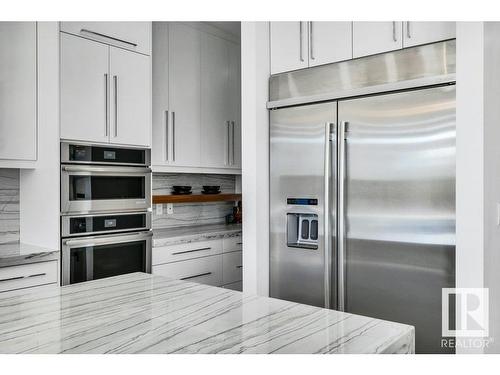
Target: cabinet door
(235, 103)
(160, 141)
(84, 89)
(18, 90)
(215, 102)
(289, 46)
(134, 36)
(130, 75)
(370, 38)
(184, 95)
(416, 33)
(329, 42)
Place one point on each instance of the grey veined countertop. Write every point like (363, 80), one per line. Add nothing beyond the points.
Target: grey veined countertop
(141, 313)
(13, 254)
(186, 234)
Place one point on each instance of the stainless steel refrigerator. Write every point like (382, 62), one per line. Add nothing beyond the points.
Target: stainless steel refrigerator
(362, 206)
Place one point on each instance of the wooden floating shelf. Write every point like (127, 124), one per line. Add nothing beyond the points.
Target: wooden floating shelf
(194, 198)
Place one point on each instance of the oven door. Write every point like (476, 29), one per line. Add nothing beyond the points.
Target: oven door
(91, 189)
(93, 258)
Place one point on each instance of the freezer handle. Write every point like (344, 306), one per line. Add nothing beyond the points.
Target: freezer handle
(329, 129)
(341, 214)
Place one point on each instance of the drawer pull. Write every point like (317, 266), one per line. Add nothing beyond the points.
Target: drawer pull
(199, 275)
(22, 277)
(191, 251)
(239, 266)
(85, 31)
(239, 243)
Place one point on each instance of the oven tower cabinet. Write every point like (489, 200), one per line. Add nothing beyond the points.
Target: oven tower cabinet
(106, 82)
(196, 99)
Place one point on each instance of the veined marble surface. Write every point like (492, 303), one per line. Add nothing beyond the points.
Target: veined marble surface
(13, 254)
(141, 313)
(174, 236)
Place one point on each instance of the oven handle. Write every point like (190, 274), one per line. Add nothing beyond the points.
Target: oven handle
(103, 240)
(83, 168)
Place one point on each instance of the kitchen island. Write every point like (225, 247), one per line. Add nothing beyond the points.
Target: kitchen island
(141, 313)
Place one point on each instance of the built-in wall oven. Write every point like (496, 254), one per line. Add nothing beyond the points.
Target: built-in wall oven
(105, 211)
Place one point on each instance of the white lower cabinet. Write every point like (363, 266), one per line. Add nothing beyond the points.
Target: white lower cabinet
(215, 262)
(28, 275)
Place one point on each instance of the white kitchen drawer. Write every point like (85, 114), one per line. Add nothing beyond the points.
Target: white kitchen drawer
(233, 243)
(134, 36)
(168, 254)
(207, 270)
(28, 275)
(232, 267)
(238, 286)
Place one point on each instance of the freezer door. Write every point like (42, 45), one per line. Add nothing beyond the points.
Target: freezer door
(399, 208)
(299, 141)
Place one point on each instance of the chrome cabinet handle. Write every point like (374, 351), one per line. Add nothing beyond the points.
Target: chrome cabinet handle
(394, 38)
(106, 105)
(301, 37)
(228, 123)
(232, 142)
(112, 169)
(173, 136)
(115, 82)
(191, 251)
(311, 40)
(104, 240)
(166, 135)
(22, 277)
(194, 276)
(408, 32)
(342, 145)
(86, 31)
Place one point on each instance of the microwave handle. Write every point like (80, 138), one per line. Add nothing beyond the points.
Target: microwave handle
(103, 240)
(83, 168)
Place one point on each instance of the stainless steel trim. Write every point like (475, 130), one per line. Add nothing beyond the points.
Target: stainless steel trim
(191, 251)
(115, 82)
(65, 154)
(380, 73)
(408, 32)
(311, 40)
(166, 135)
(22, 277)
(104, 240)
(394, 38)
(326, 215)
(301, 46)
(232, 142)
(194, 276)
(106, 104)
(65, 220)
(173, 136)
(106, 169)
(86, 31)
(341, 215)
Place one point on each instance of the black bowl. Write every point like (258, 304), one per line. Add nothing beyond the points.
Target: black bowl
(211, 187)
(181, 188)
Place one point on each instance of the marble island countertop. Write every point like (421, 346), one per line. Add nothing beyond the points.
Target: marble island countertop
(13, 254)
(141, 313)
(174, 236)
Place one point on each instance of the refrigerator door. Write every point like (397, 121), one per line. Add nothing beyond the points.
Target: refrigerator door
(300, 194)
(399, 208)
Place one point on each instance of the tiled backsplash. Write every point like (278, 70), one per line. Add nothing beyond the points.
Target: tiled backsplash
(9, 205)
(192, 213)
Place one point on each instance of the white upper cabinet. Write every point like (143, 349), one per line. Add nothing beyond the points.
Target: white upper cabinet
(289, 46)
(84, 90)
(134, 36)
(18, 91)
(416, 33)
(184, 95)
(130, 75)
(329, 42)
(235, 103)
(370, 38)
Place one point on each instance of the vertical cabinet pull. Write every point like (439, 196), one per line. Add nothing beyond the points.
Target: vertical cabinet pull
(106, 105)
(301, 37)
(311, 40)
(228, 130)
(394, 37)
(232, 141)
(173, 136)
(166, 135)
(115, 82)
(408, 32)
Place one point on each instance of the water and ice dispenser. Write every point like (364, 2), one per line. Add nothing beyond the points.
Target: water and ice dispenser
(302, 230)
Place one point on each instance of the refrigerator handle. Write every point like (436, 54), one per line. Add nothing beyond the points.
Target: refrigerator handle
(341, 214)
(329, 129)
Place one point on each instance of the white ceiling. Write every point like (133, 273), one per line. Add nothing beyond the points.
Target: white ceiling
(229, 27)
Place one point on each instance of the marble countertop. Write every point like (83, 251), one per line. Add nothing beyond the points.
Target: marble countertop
(173, 236)
(141, 313)
(13, 254)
